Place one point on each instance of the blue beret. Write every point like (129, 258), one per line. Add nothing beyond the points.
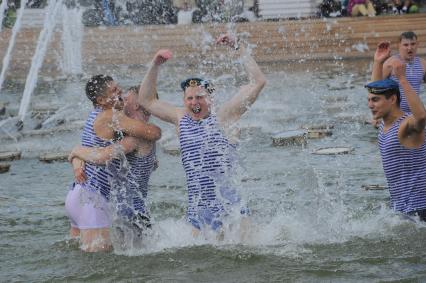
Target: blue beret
(383, 86)
(191, 82)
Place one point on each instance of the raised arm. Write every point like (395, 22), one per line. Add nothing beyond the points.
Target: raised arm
(417, 121)
(101, 155)
(161, 109)
(232, 110)
(382, 53)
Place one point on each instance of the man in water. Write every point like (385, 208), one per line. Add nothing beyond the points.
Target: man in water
(415, 66)
(401, 141)
(131, 183)
(206, 142)
(87, 204)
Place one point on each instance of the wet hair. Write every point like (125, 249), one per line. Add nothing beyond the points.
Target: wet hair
(408, 35)
(389, 94)
(135, 89)
(97, 86)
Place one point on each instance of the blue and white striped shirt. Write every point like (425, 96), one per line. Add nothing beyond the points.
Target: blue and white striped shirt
(414, 73)
(97, 175)
(405, 170)
(209, 161)
(141, 168)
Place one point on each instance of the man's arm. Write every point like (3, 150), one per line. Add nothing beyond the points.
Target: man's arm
(232, 110)
(101, 155)
(380, 56)
(161, 109)
(135, 128)
(417, 121)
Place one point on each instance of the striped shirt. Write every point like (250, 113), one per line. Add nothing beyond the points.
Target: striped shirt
(405, 170)
(209, 162)
(140, 169)
(97, 175)
(127, 175)
(414, 73)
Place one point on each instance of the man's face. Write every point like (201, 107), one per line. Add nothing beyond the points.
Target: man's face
(113, 95)
(197, 102)
(131, 105)
(408, 49)
(379, 105)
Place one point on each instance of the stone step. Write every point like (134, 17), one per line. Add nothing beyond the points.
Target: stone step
(275, 41)
(10, 155)
(4, 167)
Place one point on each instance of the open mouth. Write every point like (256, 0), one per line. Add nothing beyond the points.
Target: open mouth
(196, 109)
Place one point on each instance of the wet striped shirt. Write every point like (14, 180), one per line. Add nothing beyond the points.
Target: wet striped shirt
(97, 175)
(141, 168)
(414, 73)
(405, 170)
(208, 160)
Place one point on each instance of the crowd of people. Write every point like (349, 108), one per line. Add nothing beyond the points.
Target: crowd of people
(369, 8)
(122, 12)
(116, 157)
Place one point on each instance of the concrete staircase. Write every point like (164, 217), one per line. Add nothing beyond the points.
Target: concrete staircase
(275, 41)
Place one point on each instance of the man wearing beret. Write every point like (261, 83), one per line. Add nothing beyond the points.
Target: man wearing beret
(415, 66)
(401, 141)
(208, 150)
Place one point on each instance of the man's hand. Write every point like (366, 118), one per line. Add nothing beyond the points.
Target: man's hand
(383, 51)
(162, 56)
(78, 166)
(227, 39)
(73, 154)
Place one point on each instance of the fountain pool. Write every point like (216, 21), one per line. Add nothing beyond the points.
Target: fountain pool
(311, 219)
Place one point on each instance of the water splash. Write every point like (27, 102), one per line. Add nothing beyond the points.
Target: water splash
(37, 60)
(15, 30)
(72, 38)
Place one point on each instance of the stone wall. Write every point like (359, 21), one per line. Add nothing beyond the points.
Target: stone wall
(273, 41)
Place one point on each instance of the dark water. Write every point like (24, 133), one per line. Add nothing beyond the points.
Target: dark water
(311, 221)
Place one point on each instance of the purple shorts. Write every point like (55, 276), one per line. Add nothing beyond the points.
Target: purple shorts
(87, 209)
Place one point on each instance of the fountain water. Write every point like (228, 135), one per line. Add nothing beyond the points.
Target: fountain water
(37, 60)
(15, 30)
(311, 221)
(72, 37)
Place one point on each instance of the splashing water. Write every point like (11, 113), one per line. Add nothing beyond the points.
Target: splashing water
(15, 30)
(37, 60)
(72, 37)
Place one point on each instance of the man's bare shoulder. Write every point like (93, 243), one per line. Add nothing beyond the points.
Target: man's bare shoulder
(180, 112)
(390, 60)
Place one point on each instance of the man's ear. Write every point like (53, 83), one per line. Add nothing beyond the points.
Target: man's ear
(100, 100)
(394, 99)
